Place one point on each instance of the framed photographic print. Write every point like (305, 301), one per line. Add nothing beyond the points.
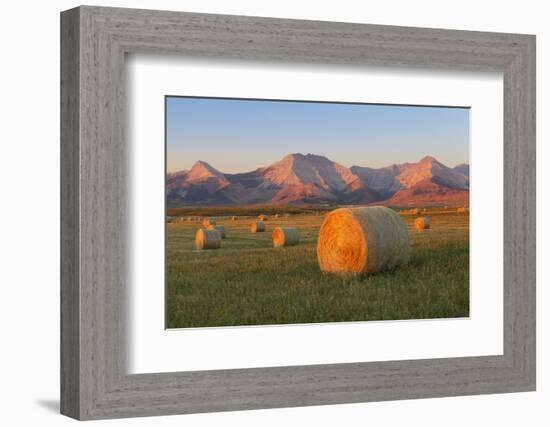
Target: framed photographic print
(263, 213)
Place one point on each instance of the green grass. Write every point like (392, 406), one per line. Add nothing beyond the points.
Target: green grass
(248, 282)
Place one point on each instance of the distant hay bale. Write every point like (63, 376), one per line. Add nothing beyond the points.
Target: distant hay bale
(257, 227)
(415, 211)
(233, 218)
(461, 210)
(208, 221)
(220, 228)
(263, 217)
(422, 223)
(277, 215)
(285, 236)
(207, 239)
(362, 240)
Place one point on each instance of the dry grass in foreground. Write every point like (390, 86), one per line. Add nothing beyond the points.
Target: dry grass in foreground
(248, 282)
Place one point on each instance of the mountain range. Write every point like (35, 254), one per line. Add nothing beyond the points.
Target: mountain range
(309, 179)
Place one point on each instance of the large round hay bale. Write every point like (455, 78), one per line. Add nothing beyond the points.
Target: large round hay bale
(461, 210)
(208, 239)
(257, 227)
(285, 236)
(263, 217)
(208, 221)
(362, 240)
(422, 223)
(220, 228)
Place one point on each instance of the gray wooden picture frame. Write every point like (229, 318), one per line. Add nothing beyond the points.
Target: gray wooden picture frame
(94, 381)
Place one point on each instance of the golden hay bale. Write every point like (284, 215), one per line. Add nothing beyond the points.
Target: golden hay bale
(257, 227)
(220, 228)
(277, 215)
(208, 239)
(415, 211)
(422, 223)
(285, 236)
(208, 221)
(362, 240)
(461, 210)
(233, 218)
(263, 217)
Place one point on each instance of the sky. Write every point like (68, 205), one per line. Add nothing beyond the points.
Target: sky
(236, 135)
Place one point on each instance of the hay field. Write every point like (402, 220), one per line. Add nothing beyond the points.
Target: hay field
(248, 282)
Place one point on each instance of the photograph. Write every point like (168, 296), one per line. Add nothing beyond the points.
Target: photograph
(286, 212)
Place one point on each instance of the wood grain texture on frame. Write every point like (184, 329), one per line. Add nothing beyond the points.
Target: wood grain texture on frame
(94, 380)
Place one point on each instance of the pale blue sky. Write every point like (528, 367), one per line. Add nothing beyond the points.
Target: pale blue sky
(241, 135)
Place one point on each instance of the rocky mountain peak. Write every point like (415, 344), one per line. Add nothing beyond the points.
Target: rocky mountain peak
(310, 178)
(202, 170)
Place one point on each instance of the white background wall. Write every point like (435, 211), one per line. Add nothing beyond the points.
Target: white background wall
(29, 212)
